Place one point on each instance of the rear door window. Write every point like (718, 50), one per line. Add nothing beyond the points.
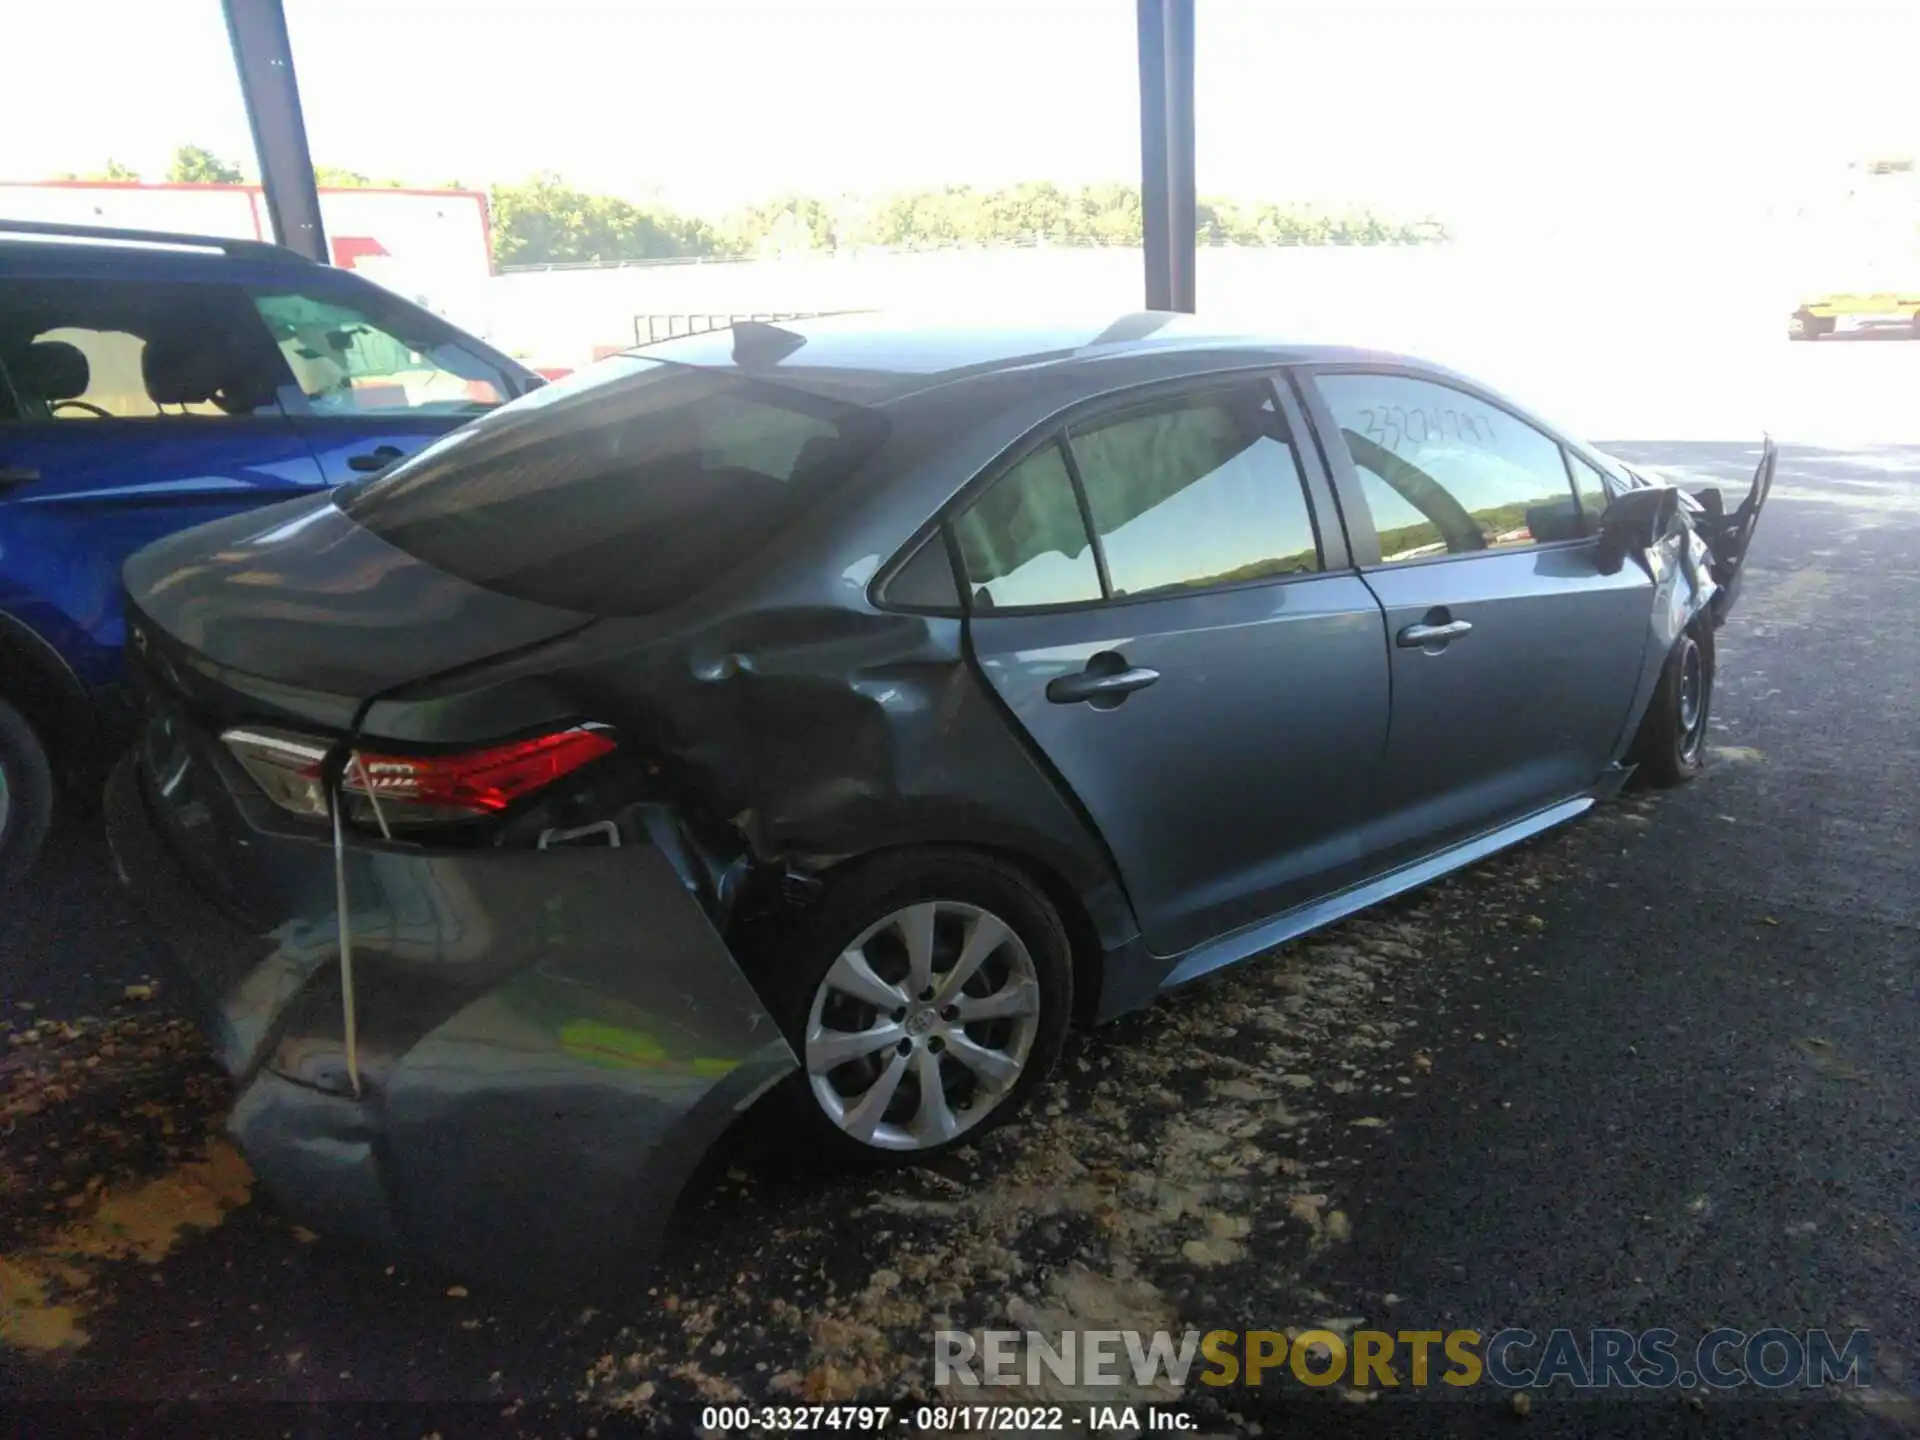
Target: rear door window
(621, 490)
(1196, 492)
(1184, 493)
(77, 351)
(1024, 543)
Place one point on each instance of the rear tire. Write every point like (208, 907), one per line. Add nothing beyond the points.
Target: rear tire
(26, 796)
(1671, 746)
(878, 1105)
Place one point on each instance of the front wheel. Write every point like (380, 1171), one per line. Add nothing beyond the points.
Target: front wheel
(927, 1000)
(1671, 747)
(26, 795)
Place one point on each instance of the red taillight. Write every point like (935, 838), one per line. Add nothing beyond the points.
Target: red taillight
(477, 782)
(415, 789)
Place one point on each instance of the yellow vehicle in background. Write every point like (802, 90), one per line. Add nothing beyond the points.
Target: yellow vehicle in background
(1857, 310)
(1857, 258)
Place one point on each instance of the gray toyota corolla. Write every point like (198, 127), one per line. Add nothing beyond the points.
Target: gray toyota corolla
(830, 714)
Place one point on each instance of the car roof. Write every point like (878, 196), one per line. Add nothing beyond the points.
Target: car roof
(883, 358)
(52, 251)
(936, 377)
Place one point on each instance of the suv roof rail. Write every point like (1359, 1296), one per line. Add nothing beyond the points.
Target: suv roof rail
(238, 249)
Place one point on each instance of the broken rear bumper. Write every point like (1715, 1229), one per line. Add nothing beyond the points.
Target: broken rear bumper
(549, 1040)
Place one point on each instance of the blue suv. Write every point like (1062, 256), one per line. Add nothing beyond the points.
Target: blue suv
(153, 381)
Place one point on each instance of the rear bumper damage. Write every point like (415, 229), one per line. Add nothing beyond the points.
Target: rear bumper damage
(549, 1041)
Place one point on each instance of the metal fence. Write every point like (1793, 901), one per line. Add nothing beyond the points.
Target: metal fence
(649, 328)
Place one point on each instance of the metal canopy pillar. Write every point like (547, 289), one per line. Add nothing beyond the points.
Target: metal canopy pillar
(261, 53)
(1166, 151)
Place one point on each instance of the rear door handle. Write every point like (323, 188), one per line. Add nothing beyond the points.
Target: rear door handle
(1106, 681)
(381, 457)
(1415, 637)
(12, 475)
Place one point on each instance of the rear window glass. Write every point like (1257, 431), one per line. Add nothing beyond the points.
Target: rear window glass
(621, 490)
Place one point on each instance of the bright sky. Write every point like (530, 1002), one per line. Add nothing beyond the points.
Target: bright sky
(1475, 108)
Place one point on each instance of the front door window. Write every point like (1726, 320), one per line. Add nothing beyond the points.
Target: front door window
(1445, 472)
(350, 362)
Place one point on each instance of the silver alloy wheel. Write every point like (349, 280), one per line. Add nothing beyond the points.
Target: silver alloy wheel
(923, 1025)
(1692, 700)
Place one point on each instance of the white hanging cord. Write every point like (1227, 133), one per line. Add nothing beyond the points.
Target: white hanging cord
(345, 933)
(349, 1012)
(367, 780)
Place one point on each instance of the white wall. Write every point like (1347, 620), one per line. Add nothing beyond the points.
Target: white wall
(1616, 327)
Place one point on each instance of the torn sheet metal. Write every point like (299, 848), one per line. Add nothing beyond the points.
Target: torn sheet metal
(1696, 559)
(1729, 534)
(561, 1032)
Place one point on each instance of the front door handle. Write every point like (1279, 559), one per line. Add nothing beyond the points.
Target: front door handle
(381, 457)
(1106, 681)
(1418, 637)
(12, 475)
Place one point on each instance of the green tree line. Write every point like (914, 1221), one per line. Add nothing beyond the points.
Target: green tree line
(543, 220)
(192, 165)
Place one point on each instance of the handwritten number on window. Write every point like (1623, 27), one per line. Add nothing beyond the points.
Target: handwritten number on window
(1394, 427)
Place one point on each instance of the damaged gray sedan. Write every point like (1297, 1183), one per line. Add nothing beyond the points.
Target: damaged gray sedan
(827, 716)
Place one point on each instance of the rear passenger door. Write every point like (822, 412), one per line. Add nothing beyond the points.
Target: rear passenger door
(374, 380)
(1514, 659)
(1159, 594)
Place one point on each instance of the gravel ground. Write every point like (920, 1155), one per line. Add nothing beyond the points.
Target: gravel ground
(1653, 1069)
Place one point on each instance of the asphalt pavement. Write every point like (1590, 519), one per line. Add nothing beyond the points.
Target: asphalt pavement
(1657, 1069)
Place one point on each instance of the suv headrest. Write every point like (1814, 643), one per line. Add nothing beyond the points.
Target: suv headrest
(180, 368)
(184, 367)
(50, 370)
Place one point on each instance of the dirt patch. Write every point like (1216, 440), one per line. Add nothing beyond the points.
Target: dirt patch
(109, 1152)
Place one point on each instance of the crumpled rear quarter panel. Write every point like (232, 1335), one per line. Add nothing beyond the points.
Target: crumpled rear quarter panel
(549, 1041)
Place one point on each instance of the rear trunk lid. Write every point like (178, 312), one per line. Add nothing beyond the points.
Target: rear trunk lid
(298, 615)
(291, 620)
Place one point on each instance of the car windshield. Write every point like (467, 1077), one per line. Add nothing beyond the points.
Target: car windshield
(621, 490)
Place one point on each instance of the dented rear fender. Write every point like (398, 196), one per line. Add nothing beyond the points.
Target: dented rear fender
(550, 1041)
(797, 736)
